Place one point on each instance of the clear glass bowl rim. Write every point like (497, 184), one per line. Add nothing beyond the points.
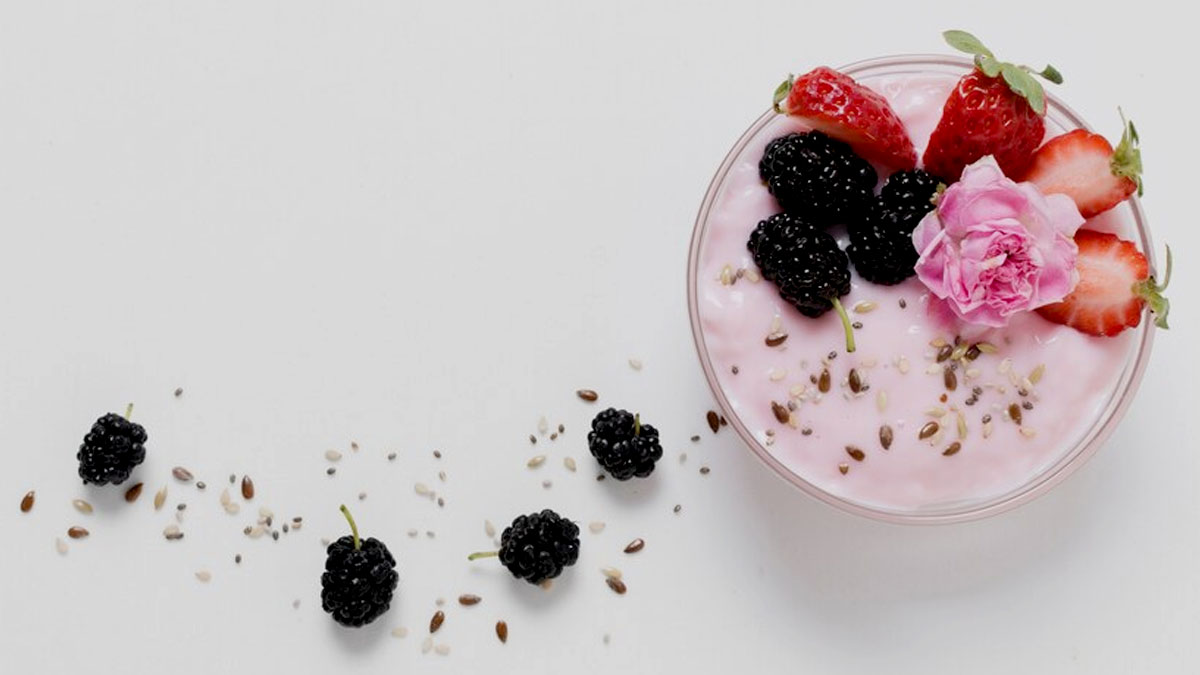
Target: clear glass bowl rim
(1066, 465)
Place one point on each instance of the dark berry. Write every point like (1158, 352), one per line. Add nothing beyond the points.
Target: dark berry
(538, 546)
(804, 262)
(881, 246)
(818, 177)
(111, 450)
(360, 576)
(911, 190)
(623, 445)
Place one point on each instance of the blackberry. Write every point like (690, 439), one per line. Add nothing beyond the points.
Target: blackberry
(804, 262)
(818, 177)
(360, 577)
(623, 445)
(881, 246)
(111, 449)
(911, 190)
(537, 547)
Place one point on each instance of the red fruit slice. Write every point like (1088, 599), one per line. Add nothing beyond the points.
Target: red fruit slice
(1113, 290)
(1083, 166)
(835, 104)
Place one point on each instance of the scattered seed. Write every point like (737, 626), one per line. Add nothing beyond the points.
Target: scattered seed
(437, 454)
(178, 392)
(902, 365)
(182, 474)
(864, 306)
(886, 436)
(160, 497)
(76, 532)
(704, 470)
(547, 483)
(714, 420)
(831, 355)
(635, 546)
(1038, 372)
(987, 429)
(596, 526)
(238, 559)
(903, 303)
(426, 645)
(502, 631)
(678, 508)
(775, 339)
(973, 353)
(489, 529)
(986, 347)
(247, 488)
(200, 485)
(330, 471)
(1027, 432)
(824, 382)
(952, 449)
(734, 370)
(949, 379)
(844, 468)
(944, 352)
(806, 431)
(132, 494)
(354, 446)
(1004, 367)
(204, 576)
(333, 455)
(60, 546)
(611, 572)
(855, 453)
(436, 622)
(81, 506)
(617, 585)
(399, 632)
(468, 599)
(391, 456)
(1027, 405)
(928, 430)
(27, 501)
(442, 649)
(855, 381)
(535, 462)
(587, 395)
(857, 325)
(1014, 412)
(569, 463)
(935, 412)
(532, 439)
(554, 436)
(959, 352)
(180, 506)
(363, 495)
(636, 364)
(782, 414)
(962, 425)
(881, 400)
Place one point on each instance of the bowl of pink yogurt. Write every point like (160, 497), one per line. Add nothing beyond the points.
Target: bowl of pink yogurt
(882, 432)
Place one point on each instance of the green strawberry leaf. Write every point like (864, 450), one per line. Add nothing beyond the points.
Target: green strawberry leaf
(1127, 158)
(988, 64)
(965, 42)
(1023, 84)
(781, 92)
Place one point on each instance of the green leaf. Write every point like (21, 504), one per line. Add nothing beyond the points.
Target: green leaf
(965, 42)
(781, 93)
(1051, 74)
(1127, 157)
(988, 64)
(1023, 84)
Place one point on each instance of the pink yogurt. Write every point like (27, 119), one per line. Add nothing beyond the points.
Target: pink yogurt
(896, 360)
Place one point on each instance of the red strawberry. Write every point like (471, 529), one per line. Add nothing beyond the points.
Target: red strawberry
(835, 104)
(995, 110)
(1114, 288)
(1083, 166)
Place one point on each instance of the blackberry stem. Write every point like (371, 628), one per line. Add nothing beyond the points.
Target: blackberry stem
(483, 554)
(129, 411)
(353, 527)
(837, 305)
(637, 424)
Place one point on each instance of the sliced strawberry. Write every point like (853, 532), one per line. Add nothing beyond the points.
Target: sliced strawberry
(835, 104)
(995, 110)
(1083, 166)
(1113, 290)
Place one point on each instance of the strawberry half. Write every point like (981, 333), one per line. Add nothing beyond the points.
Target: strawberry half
(1083, 166)
(835, 104)
(1114, 288)
(995, 110)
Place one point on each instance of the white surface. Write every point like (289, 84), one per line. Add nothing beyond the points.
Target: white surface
(423, 226)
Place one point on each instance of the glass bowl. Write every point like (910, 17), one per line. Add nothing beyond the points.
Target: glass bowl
(1059, 118)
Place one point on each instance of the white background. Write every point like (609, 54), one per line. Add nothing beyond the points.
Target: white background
(424, 225)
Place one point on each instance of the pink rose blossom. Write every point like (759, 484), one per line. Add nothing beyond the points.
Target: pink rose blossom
(994, 247)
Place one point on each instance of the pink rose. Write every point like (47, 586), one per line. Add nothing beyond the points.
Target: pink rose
(994, 247)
